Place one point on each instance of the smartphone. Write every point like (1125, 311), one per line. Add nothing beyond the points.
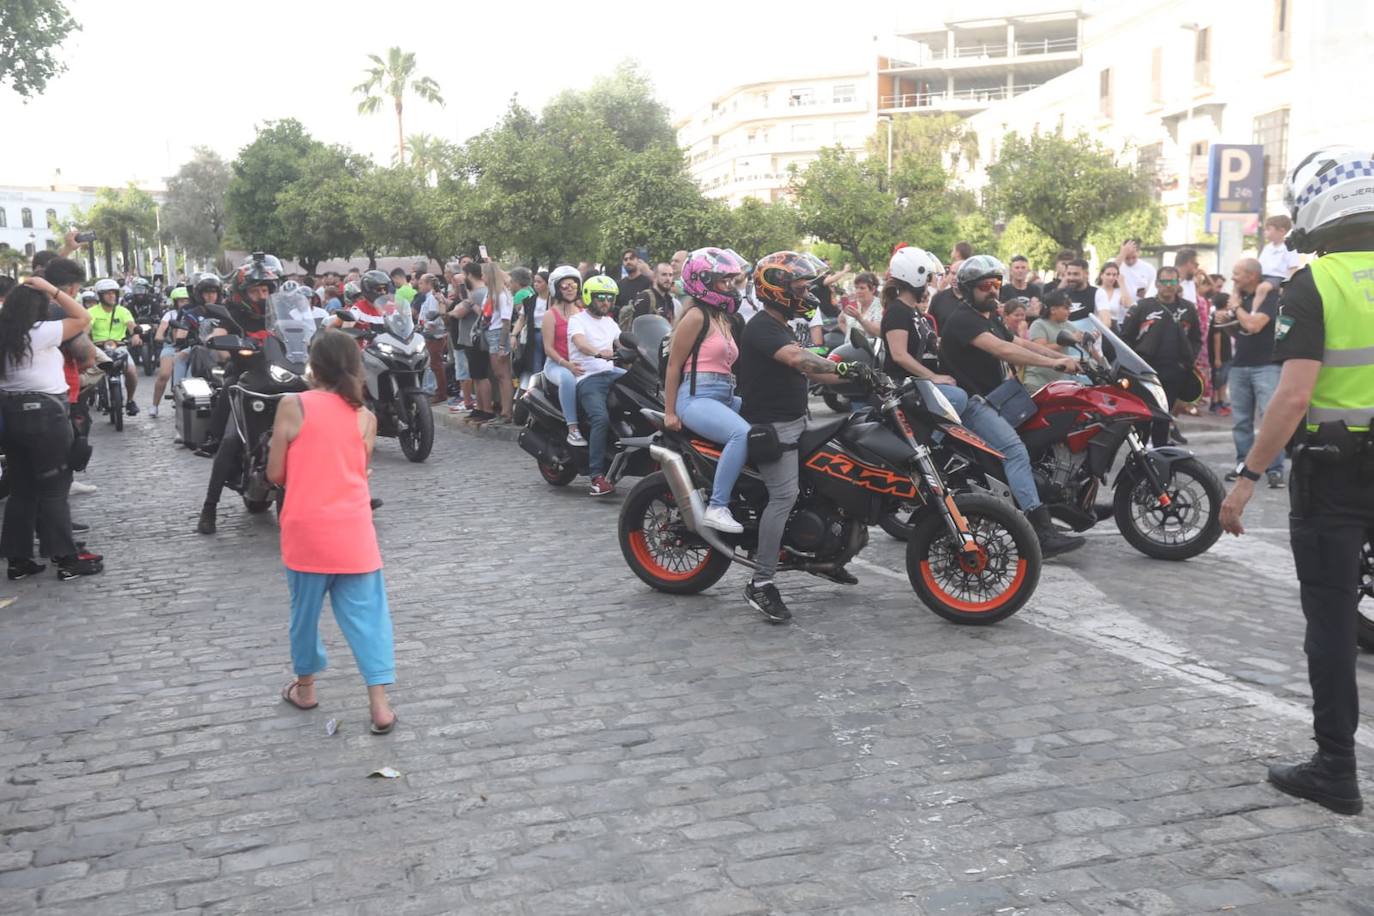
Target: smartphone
(86, 236)
(482, 252)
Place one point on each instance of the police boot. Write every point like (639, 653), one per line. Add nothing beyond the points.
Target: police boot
(1053, 542)
(1326, 779)
(206, 524)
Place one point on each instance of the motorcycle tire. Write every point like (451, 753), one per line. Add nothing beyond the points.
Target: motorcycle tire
(257, 506)
(117, 409)
(1003, 576)
(417, 439)
(150, 360)
(1364, 611)
(835, 401)
(1124, 501)
(669, 558)
(557, 475)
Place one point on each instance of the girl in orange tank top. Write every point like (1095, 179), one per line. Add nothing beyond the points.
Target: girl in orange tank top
(321, 444)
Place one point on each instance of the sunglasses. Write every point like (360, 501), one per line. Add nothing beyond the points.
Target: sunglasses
(1166, 283)
(989, 285)
(609, 297)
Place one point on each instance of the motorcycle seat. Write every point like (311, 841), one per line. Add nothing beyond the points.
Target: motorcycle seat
(817, 434)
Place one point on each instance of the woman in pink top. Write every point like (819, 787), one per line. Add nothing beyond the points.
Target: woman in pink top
(565, 301)
(699, 381)
(321, 444)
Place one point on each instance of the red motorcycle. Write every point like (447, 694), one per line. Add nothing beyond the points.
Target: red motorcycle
(1167, 503)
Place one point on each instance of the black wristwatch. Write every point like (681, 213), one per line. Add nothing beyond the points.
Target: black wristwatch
(1245, 472)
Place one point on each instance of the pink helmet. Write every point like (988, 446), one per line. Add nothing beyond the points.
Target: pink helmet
(701, 271)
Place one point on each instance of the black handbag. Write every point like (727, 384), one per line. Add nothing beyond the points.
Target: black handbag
(764, 446)
(1011, 400)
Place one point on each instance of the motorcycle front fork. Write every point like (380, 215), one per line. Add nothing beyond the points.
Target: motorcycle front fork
(929, 479)
(1142, 459)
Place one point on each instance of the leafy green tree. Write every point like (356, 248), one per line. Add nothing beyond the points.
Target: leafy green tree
(1020, 237)
(194, 215)
(1145, 223)
(976, 229)
(393, 78)
(125, 217)
(12, 261)
(397, 212)
(944, 138)
(1065, 186)
(30, 32)
(262, 170)
(755, 228)
(849, 202)
(624, 103)
(316, 210)
(651, 200)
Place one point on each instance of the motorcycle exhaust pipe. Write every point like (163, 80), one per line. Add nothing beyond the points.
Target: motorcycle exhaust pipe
(689, 502)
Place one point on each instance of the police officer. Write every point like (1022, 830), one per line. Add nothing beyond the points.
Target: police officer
(1325, 339)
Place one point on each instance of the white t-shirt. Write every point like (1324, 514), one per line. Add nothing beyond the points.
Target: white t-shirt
(1138, 276)
(1186, 289)
(507, 306)
(541, 308)
(1278, 260)
(601, 334)
(42, 371)
(874, 314)
(1110, 302)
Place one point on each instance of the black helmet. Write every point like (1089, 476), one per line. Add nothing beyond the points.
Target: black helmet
(375, 284)
(258, 269)
(140, 287)
(975, 270)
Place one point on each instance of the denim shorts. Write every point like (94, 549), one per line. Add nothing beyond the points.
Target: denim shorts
(167, 350)
(494, 347)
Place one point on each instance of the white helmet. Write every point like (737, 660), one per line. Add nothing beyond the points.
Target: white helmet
(561, 273)
(1332, 188)
(105, 286)
(913, 266)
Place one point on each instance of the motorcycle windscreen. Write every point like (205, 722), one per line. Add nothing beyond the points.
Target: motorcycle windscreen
(650, 331)
(396, 317)
(1121, 356)
(289, 319)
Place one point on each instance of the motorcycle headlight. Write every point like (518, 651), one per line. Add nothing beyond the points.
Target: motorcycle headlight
(386, 349)
(1157, 392)
(281, 376)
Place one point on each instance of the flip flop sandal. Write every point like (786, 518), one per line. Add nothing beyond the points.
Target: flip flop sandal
(286, 697)
(385, 729)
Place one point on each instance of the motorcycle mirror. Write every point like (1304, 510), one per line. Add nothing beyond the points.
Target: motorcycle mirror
(1066, 339)
(218, 310)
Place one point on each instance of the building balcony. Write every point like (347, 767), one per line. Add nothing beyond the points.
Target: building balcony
(973, 56)
(959, 101)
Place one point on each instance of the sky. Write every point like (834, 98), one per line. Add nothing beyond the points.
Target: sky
(145, 83)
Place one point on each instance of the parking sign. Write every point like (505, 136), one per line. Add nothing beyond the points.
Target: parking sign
(1235, 181)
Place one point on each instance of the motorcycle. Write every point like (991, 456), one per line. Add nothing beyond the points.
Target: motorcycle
(274, 366)
(971, 558)
(147, 311)
(1166, 503)
(395, 360)
(108, 393)
(545, 431)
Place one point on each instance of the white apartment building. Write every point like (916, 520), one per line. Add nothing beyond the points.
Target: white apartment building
(742, 143)
(1163, 80)
(965, 65)
(28, 215)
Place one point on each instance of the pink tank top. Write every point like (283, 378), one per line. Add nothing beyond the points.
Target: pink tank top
(560, 333)
(717, 354)
(326, 523)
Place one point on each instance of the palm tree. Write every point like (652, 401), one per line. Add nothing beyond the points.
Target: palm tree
(393, 77)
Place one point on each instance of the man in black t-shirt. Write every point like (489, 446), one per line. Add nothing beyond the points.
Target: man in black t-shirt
(636, 280)
(1254, 374)
(773, 372)
(943, 304)
(975, 348)
(1020, 286)
(1083, 293)
(1164, 331)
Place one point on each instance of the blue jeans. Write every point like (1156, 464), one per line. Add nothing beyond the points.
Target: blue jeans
(361, 610)
(537, 355)
(567, 389)
(988, 424)
(1251, 388)
(713, 412)
(591, 397)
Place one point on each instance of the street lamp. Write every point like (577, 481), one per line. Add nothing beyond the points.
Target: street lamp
(1194, 28)
(888, 119)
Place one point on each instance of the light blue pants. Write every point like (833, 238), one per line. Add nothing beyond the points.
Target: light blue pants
(361, 610)
(1252, 388)
(567, 389)
(988, 424)
(180, 367)
(713, 412)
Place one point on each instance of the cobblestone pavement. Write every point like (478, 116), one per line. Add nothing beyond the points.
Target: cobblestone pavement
(572, 743)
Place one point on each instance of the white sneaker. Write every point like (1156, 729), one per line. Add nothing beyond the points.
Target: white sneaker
(575, 438)
(82, 489)
(719, 518)
(152, 411)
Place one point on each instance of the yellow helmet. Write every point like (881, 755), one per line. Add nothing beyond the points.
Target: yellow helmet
(600, 285)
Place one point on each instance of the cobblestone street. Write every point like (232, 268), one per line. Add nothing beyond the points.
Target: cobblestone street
(571, 742)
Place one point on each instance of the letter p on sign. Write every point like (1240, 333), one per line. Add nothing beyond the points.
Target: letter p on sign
(1234, 168)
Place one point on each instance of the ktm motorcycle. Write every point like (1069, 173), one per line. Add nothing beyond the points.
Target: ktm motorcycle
(972, 559)
(1166, 503)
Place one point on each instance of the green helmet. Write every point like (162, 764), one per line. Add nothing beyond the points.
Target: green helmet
(599, 286)
(178, 294)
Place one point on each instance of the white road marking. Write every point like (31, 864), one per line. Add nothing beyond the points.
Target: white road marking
(1068, 604)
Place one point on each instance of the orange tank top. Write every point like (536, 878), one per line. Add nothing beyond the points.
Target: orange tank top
(326, 522)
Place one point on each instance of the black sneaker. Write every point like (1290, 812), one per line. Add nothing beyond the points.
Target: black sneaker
(1176, 435)
(131, 409)
(80, 527)
(22, 569)
(766, 600)
(1326, 779)
(835, 574)
(206, 523)
(1053, 542)
(375, 503)
(81, 564)
(1275, 480)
